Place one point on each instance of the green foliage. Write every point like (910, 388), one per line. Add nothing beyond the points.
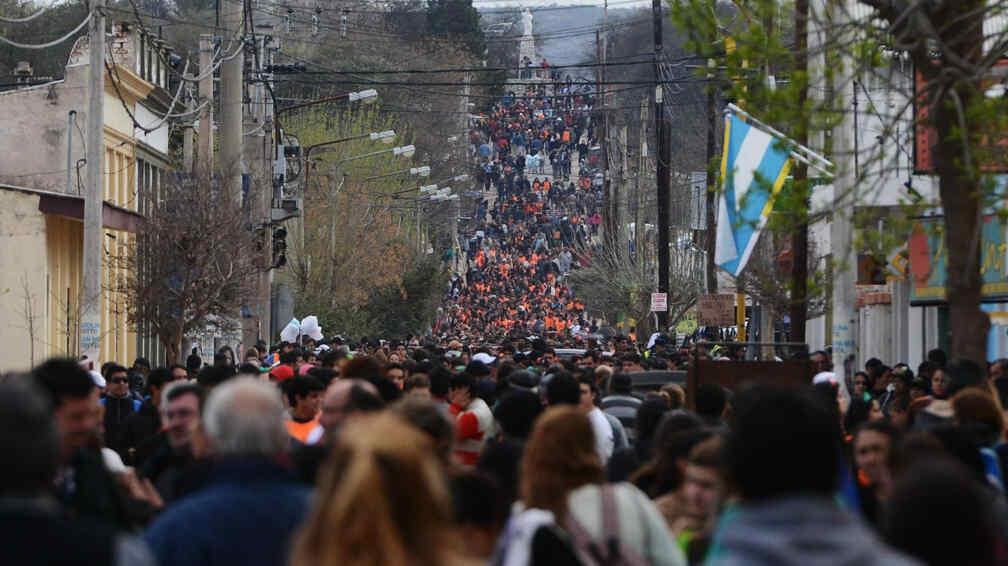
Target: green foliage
(458, 21)
(409, 307)
(749, 46)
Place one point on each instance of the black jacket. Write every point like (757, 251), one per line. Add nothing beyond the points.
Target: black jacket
(88, 490)
(136, 438)
(168, 470)
(117, 410)
(37, 532)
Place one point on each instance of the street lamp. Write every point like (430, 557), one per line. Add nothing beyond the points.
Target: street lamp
(433, 186)
(406, 151)
(422, 171)
(386, 136)
(367, 96)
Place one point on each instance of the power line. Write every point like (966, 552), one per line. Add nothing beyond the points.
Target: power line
(462, 70)
(49, 44)
(29, 17)
(355, 81)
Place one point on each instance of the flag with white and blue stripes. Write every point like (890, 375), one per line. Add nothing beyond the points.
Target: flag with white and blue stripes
(754, 167)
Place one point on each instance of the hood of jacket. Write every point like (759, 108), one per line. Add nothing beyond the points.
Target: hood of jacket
(799, 531)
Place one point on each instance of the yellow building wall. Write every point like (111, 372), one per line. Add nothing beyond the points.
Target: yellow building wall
(22, 281)
(64, 254)
(119, 339)
(64, 251)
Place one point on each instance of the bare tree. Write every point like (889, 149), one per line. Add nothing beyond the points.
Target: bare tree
(618, 281)
(193, 265)
(30, 316)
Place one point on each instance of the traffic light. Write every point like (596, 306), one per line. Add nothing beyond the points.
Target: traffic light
(279, 246)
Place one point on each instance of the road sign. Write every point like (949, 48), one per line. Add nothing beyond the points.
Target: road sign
(659, 302)
(716, 310)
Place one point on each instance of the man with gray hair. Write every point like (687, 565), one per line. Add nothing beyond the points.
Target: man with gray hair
(252, 504)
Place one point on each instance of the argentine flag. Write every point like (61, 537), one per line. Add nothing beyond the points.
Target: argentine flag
(754, 166)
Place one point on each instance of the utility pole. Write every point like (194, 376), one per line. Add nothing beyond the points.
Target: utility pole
(662, 164)
(799, 238)
(258, 155)
(845, 322)
(641, 162)
(710, 210)
(90, 301)
(188, 142)
(231, 166)
(206, 116)
(611, 190)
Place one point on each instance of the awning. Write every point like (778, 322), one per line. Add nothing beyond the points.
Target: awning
(72, 206)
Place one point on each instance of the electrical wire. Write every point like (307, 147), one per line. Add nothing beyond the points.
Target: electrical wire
(27, 18)
(462, 70)
(114, 70)
(53, 43)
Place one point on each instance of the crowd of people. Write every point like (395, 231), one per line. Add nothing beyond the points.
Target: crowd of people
(525, 239)
(486, 446)
(445, 453)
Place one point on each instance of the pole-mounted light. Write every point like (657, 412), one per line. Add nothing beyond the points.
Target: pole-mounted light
(366, 96)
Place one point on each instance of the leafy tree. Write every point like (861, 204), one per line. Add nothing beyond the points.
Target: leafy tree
(409, 306)
(457, 20)
(945, 42)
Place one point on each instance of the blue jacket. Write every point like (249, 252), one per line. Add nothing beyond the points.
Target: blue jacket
(246, 515)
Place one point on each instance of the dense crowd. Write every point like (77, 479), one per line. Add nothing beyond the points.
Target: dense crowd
(491, 443)
(419, 452)
(526, 238)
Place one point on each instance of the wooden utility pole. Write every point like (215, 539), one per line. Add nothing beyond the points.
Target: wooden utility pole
(662, 161)
(90, 301)
(710, 211)
(799, 238)
(641, 162)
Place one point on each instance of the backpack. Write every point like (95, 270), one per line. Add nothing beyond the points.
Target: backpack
(611, 551)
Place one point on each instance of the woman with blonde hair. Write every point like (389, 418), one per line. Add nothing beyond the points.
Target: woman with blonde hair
(382, 500)
(565, 497)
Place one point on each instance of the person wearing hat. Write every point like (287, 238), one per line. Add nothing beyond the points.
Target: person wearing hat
(281, 373)
(473, 419)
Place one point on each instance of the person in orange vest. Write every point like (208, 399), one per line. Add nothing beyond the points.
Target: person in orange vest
(304, 394)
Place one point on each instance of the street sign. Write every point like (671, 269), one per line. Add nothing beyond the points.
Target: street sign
(659, 302)
(716, 310)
